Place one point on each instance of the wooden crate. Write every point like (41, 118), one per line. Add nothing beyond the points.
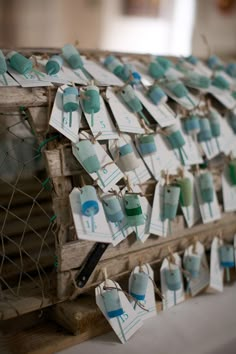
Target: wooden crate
(65, 171)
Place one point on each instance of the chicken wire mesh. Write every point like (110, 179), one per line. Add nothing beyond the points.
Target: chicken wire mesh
(27, 223)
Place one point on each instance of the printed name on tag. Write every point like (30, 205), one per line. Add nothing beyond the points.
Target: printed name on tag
(117, 310)
(130, 163)
(216, 272)
(60, 120)
(142, 289)
(197, 266)
(91, 228)
(126, 120)
(171, 277)
(102, 123)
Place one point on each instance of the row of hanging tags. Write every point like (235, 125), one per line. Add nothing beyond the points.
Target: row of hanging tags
(128, 310)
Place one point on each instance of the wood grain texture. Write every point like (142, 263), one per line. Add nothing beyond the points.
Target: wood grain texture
(119, 263)
(12, 97)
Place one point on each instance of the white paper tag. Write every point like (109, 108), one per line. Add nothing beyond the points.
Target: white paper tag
(83, 224)
(102, 123)
(141, 173)
(171, 297)
(149, 302)
(192, 212)
(223, 96)
(142, 231)
(60, 119)
(28, 80)
(216, 272)
(109, 173)
(209, 211)
(158, 227)
(228, 137)
(188, 102)
(162, 113)
(101, 75)
(192, 155)
(65, 76)
(196, 285)
(126, 120)
(229, 191)
(9, 79)
(125, 325)
(202, 69)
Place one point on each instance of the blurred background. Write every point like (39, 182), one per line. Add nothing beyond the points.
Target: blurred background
(172, 27)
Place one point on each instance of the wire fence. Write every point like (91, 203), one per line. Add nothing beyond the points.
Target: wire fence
(27, 223)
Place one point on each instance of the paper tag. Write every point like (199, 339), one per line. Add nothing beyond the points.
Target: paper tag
(216, 272)
(9, 79)
(140, 174)
(124, 325)
(126, 120)
(229, 191)
(60, 119)
(146, 79)
(215, 146)
(188, 102)
(109, 173)
(102, 123)
(152, 161)
(142, 231)
(191, 155)
(172, 72)
(209, 211)
(196, 285)
(171, 297)
(83, 224)
(28, 80)
(158, 227)
(228, 137)
(192, 212)
(202, 69)
(223, 96)
(65, 76)
(101, 75)
(162, 113)
(149, 302)
(120, 231)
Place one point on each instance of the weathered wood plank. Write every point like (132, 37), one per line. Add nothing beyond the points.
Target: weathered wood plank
(38, 117)
(72, 254)
(12, 97)
(120, 263)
